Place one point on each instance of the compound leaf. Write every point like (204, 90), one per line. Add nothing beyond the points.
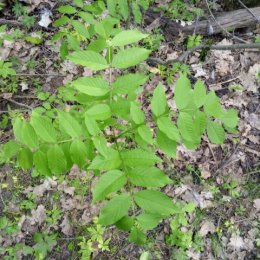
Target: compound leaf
(109, 182)
(89, 59)
(78, 152)
(216, 132)
(129, 57)
(92, 86)
(99, 112)
(139, 157)
(167, 127)
(148, 177)
(115, 209)
(44, 128)
(56, 159)
(136, 113)
(148, 221)
(182, 92)
(127, 37)
(159, 101)
(154, 202)
(199, 94)
(69, 124)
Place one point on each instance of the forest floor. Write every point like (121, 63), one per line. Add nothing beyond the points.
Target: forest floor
(222, 180)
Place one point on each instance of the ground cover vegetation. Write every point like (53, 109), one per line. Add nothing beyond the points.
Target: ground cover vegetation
(118, 157)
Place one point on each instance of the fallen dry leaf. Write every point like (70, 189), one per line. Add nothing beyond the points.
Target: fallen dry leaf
(207, 227)
(66, 227)
(257, 204)
(236, 242)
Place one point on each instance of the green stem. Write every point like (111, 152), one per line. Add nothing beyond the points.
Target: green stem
(129, 185)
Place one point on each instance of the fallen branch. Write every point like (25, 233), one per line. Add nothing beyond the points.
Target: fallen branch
(154, 61)
(19, 104)
(10, 22)
(241, 18)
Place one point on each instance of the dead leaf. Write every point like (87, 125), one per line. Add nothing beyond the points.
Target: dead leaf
(47, 185)
(66, 227)
(236, 242)
(257, 204)
(200, 72)
(45, 18)
(207, 227)
(39, 215)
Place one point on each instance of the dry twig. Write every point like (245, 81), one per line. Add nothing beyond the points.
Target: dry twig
(183, 56)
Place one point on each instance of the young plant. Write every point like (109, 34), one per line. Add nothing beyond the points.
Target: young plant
(78, 23)
(106, 132)
(94, 243)
(6, 69)
(23, 12)
(123, 9)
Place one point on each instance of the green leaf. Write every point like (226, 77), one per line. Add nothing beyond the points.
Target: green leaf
(73, 43)
(40, 162)
(111, 6)
(80, 28)
(29, 137)
(64, 49)
(139, 157)
(137, 236)
(61, 21)
(121, 108)
(212, 105)
(44, 128)
(87, 17)
(25, 158)
(109, 162)
(148, 177)
(78, 152)
(230, 118)
(145, 256)
(182, 92)
(10, 149)
(111, 181)
(148, 221)
(199, 93)
(91, 125)
(127, 37)
(154, 202)
(128, 83)
(92, 86)
(67, 9)
(100, 144)
(189, 207)
(78, 3)
(115, 209)
(137, 13)
(146, 133)
(200, 122)
(56, 159)
(17, 126)
(167, 127)
(89, 59)
(97, 45)
(130, 57)
(105, 27)
(126, 223)
(188, 129)
(215, 132)
(159, 101)
(69, 124)
(123, 8)
(168, 146)
(99, 112)
(136, 113)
